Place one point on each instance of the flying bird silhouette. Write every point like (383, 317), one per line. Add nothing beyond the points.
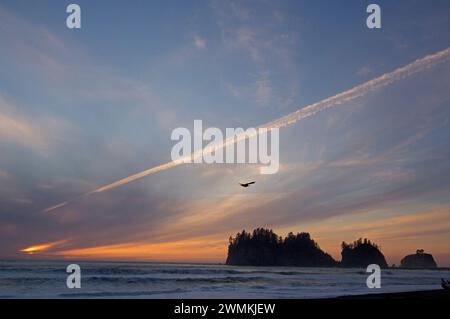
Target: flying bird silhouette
(246, 184)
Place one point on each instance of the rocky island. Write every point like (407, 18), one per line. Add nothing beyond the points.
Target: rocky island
(419, 260)
(361, 254)
(263, 247)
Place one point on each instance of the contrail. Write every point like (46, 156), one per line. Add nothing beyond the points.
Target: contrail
(55, 207)
(307, 111)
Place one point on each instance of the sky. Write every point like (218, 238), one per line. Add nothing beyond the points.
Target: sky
(82, 108)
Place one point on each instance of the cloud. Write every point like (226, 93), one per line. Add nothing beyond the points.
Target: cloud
(33, 50)
(247, 40)
(199, 42)
(39, 248)
(4, 174)
(425, 228)
(264, 90)
(205, 249)
(363, 71)
(338, 165)
(23, 200)
(261, 42)
(38, 133)
(45, 61)
(234, 90)
(340, 99)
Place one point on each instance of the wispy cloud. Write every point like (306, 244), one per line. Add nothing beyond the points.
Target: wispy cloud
(206, 249)
(39, 133)
(425, 228)
(267, 48)
(40, 248)
(231, 63)
(199, 42)
(51, 63)
(363, 71)
(263, 93)
(305, 112)
(4, 174)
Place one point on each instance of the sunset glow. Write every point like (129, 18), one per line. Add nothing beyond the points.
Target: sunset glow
(87, 119)
(39, 248)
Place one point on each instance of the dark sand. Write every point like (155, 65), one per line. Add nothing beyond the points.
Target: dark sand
(426, 294)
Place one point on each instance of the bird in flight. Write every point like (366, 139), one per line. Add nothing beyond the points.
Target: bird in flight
(246, 184)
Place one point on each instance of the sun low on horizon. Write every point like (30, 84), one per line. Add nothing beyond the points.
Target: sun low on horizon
(357, 120)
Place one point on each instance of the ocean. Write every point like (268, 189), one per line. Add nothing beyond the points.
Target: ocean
(47, 279)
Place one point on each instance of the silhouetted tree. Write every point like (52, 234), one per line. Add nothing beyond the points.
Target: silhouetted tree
(362, 253)
(264, 248)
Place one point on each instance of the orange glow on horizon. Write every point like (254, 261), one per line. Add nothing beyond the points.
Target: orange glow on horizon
(394, 231)
(204, 249)
(39, 248)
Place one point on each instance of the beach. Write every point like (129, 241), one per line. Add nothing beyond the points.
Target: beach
(425, 294)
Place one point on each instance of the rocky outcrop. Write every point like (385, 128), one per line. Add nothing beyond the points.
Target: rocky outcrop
(362, 253)
(265, 248)
(418, 260)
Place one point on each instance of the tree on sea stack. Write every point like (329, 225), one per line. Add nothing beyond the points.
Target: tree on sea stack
(419, 260)
(265, 248)
(362, 253)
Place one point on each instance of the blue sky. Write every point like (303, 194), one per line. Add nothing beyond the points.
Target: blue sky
(82, 108)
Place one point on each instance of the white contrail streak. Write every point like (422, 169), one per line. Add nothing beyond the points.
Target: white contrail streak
(362, 89)
(307, 111)
(55, 207)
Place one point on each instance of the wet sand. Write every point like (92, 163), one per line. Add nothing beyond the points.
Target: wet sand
(426, 294)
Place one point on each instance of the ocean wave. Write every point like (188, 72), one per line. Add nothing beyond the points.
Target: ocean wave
(133, 280)
(190, 280)
(109, 294)
(223, 280)
(28, 281)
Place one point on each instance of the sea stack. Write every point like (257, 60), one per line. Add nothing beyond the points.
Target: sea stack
(419, 260)
(362, 253)
(265, 248)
